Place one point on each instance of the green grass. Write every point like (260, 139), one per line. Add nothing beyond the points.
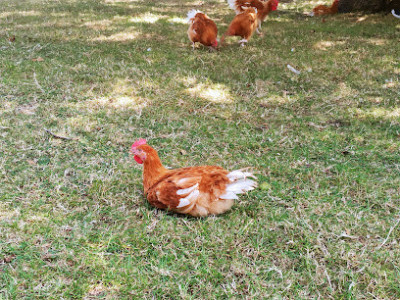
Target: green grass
(325, 144)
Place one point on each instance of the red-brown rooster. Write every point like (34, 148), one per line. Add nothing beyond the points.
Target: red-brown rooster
(196, 191)
(202, 29)
(321, 10)
(263, 8)
(242, 25)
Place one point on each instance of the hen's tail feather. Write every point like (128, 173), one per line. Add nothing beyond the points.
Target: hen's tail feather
(222, 40)
(394, 14)
(232, 4)
(191, 14)
(240, 184)
(239, 174)
(249, 7)
(229, 195)
(227, 33)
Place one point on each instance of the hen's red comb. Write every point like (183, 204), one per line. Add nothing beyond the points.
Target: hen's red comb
(138, 143)
(274, 5)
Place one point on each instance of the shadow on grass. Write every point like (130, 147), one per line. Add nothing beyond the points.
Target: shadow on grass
(134, 57)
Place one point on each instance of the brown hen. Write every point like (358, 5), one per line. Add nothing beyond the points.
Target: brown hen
(202, 29)
(242, 25)
(263, 8)
(321, 10)
(196, 191)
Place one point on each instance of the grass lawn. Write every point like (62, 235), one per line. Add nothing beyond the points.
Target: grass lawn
(324, 144)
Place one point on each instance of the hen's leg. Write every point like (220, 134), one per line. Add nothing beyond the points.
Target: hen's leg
(242, 42)
(258, 30)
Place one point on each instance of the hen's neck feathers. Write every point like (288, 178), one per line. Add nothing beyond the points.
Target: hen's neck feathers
(152, 170)
(335, 6)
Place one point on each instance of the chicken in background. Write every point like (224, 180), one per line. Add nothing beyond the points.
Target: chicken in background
(263, 8)
(321, 10)
(242, 25)
(196, 191)
(202, 29)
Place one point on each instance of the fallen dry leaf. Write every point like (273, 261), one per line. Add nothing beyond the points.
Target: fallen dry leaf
(38, 59)
(263, 126)
(328, 170)
(12, 38)
(9, 258)
(31, 162)
(48, 257)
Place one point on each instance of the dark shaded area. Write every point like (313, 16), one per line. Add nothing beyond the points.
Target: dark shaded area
(347, 6)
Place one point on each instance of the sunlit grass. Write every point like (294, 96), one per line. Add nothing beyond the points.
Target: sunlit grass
(178, 20)
(118, 37)
(216, 93)
(148, 18)
(379, 113)
(325, 45)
